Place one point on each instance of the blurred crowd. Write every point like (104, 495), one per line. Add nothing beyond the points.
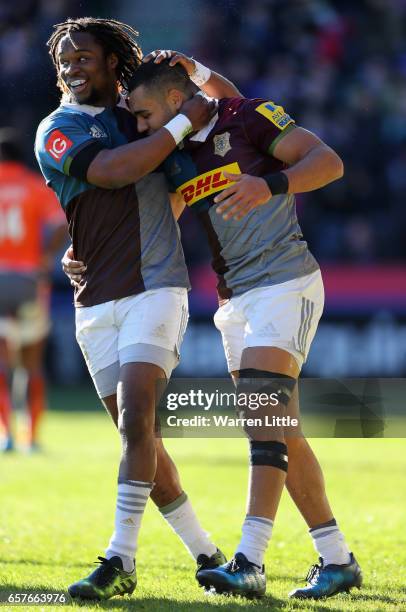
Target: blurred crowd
(337, 66)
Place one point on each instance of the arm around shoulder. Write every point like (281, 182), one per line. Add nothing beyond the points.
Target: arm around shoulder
(121, 166)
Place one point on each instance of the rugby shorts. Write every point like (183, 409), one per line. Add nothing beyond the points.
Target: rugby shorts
(285, 316)
(148, 328)
(24, 308)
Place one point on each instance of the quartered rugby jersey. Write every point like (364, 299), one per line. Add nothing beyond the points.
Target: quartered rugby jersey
(265, 247)
(127, 237)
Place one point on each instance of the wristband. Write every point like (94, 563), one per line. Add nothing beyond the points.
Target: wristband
(200, 74)
(179, 127)
(277, 182)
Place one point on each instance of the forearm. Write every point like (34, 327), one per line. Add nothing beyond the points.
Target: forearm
(319, 167)
(219, 87)
(115, 168)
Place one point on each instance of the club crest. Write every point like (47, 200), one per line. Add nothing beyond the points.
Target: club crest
(222, 144)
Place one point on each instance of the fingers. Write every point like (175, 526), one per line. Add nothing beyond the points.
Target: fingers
(75, 280)
(178, 58)
(233, 177)
(159, 55)
(149, 57)
(225, 194)
(229, 205)
(239, 211)
(75, 267)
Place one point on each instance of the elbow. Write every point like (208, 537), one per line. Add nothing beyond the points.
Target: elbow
(339, 167)
(333, 164)
(336, 165)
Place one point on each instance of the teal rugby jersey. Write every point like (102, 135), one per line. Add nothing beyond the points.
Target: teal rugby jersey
(265, 247)
(127, 237)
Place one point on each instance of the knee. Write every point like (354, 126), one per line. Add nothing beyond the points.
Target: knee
(136, 423)
(270, 454)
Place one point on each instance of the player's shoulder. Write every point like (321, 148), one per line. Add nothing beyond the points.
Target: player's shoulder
(260, 108)
(231, 106)
(60, 117)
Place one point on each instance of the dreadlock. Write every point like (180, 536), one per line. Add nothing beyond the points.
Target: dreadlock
(113, 36)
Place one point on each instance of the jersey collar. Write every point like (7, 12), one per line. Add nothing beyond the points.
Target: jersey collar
(201, 135)
(91, 110)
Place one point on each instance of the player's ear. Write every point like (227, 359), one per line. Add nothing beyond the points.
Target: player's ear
(175, 99)
(112, 61)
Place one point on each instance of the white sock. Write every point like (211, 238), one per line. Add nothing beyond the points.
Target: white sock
(256, 533)
(132, 497)
(329, 542)
(184, 522)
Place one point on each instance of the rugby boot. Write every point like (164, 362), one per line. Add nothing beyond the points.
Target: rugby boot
(106, 581)
(325, 581)
(238, 577)
(205, 562)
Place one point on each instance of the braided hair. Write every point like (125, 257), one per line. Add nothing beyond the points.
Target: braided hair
(113, 36)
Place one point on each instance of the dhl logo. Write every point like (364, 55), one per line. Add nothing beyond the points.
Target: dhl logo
(205, 184)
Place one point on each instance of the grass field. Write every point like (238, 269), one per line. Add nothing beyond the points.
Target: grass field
(56, 514)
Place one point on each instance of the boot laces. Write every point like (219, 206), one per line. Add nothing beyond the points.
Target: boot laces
(313, 573)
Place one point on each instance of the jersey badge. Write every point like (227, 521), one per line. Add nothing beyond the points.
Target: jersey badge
(57, 145)
(275, 114)
(222, 144)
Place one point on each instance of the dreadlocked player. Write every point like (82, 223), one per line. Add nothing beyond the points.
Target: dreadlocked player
(131, 306)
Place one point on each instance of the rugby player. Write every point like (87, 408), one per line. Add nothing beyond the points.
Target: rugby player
(271, 297)
(131, 304)
(32, 229)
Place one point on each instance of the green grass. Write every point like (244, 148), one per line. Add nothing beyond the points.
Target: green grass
(56, 513)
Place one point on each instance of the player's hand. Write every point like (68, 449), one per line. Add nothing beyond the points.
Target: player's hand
(199, 110)
(176, 58)
(73, 269)
(239, 199)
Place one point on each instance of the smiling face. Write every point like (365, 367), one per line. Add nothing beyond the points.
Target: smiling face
(153, 108)
(87, 74)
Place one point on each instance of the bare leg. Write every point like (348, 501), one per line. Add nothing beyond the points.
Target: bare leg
(31, 360)
(266, 483)
(305, 481)
(5, 398)
(167, 482)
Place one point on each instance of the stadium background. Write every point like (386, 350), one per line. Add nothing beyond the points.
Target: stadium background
(339, 69)
(338, 66)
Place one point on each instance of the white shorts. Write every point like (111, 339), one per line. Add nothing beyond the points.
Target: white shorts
(25, 310)
(148, 327)
(284, 316)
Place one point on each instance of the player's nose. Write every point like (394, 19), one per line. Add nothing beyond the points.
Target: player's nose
(142, 125)
(72, 69)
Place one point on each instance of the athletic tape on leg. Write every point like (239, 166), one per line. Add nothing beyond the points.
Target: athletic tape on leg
(274, 454)
(280, 385)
